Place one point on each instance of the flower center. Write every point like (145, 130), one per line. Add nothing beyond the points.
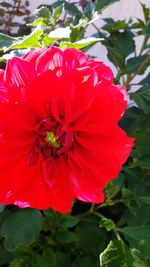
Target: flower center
(51, 140)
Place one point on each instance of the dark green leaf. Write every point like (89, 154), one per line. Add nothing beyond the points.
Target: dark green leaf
(62, 260)
(1, 207)
(138, 237)
(146, 12)
(113, 26)
(6, 40)
(101, 4)
(47, 259)
(91, 237)
(63, 235)
(68, 221)
(87, 261)
(142, 98)
(146, 199)
(43, 12)
(21, 228)
(119, 46)
(6, 4)
(5, 256)
(134, 63)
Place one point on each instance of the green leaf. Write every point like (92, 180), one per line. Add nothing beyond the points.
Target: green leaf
(82, 43)
(101, 4)
(21, 228)
(134, 63)
(72, 9)
(116, 254)
(62, 260)
(146, 199)
(107, 223)
(6, 40)
(43, 12)
(2, 208)
(145, 163)
(29, 41)
(119, 46)
(142, 98)
(57, 12)
(146, 12)
(68, 221)
(86, 261)
(90, 237)
(138, 259)
(5, 256)
(47, 259)
(146, 80)
(138, 237)
(113, 26)
(65, 236)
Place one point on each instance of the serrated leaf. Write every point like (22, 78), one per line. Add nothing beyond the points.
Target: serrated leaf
(119, 46)
(82, 43)
(21, 228)
(134, 63)
(29, 41)
(101, 4)
(47, 259)
(116, 254)
(113, 26)
(43, 12)
(142, 98)
(138, 237)
(6, 40)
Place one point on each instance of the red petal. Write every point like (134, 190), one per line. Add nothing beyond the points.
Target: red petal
(51, 59)
(3, 90)
(18, 74)
(61, 190)
(87, 187)
(32, 55)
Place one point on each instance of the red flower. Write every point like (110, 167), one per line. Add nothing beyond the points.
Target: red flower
(59, 133)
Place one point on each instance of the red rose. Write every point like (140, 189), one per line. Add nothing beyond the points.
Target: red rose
(59, 133)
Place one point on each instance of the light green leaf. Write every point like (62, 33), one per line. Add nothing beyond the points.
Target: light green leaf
(82, 43)
(21, 228)
(116, 254)
(29, 41)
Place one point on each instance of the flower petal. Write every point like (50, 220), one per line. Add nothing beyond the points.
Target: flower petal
(18, 74)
